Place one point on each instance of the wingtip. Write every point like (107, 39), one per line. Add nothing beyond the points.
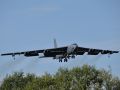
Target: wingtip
(118, 51)
(0, 54)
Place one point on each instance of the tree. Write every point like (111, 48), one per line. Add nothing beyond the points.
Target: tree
(79, 78)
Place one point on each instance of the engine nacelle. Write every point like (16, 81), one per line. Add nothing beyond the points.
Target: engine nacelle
(46, 52)
(29, 54)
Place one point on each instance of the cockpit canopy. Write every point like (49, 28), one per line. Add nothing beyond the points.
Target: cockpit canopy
(75, 44)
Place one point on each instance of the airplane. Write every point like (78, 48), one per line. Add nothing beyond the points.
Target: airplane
(61, 53)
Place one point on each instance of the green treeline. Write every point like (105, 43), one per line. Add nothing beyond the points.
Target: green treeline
(79, 78)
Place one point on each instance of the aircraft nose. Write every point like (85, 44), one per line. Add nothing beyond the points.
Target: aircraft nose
(75, 44)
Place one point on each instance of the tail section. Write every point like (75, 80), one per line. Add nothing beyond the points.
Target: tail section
(55, 43)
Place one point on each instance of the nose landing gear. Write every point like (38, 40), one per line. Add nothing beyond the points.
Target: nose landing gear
(73, 56)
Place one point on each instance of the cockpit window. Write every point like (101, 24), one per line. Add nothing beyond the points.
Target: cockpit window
(75, 44)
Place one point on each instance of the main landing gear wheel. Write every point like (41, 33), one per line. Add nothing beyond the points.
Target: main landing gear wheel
(60, 60)
(65, 60)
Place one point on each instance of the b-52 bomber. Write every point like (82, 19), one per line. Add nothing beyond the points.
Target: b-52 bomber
(62, 53)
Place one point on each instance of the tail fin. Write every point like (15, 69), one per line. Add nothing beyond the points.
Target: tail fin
(55, 43)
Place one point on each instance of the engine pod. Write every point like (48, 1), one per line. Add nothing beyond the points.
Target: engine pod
(93, 52)
(29, 54)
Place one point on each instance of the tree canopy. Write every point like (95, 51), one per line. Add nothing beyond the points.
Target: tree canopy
(78, 78)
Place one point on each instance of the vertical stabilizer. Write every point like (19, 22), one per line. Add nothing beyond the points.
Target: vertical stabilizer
(55, 43)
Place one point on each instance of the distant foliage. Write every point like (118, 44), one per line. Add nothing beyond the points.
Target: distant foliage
(84, 78)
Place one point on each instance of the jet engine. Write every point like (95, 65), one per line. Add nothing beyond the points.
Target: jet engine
(48, 53)
(29, 54)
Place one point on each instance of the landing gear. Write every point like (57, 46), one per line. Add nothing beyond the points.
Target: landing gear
(108, 55)
(65, 60)
(73, 56)
(60, 60)
(68, 57)
(13, 56)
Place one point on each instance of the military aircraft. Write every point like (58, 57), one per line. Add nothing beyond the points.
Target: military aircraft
(61, 53)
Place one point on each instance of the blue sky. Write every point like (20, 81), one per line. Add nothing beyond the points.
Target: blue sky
(32, 24)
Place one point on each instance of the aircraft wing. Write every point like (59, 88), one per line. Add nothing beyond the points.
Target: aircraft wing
(62, 50)
(31, 53)
(54, 51)
(91, 51)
